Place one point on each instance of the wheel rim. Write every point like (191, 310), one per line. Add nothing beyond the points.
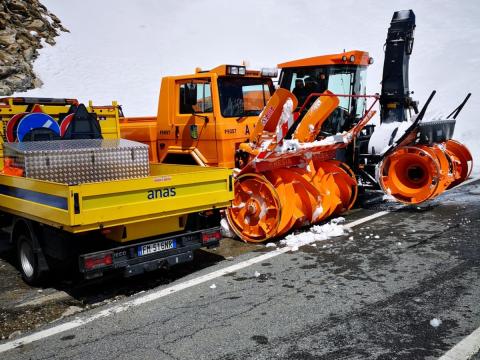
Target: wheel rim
(27, 259)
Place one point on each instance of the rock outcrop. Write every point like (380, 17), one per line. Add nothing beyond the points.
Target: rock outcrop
(24, 25)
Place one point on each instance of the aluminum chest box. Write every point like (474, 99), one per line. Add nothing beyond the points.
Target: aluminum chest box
(80, 161)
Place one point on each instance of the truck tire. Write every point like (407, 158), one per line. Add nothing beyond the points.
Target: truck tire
(28, 260)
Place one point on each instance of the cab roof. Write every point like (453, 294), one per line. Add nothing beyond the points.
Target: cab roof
(359, 58)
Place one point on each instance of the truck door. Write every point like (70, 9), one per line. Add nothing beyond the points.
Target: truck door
(194, 123)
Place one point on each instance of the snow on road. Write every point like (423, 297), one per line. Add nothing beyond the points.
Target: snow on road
(316, 233)
(119, 49)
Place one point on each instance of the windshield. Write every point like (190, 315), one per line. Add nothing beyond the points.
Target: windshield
(339, 79)
(243, 96)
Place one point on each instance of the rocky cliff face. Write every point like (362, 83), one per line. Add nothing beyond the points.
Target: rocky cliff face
(23, 26)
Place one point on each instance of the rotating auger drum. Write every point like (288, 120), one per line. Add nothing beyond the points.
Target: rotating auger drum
(423, 161)
(416, 173)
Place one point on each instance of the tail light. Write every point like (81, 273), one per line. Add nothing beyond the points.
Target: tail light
(211, 236)
(97, 261)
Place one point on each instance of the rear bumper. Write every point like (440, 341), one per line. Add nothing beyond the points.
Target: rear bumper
(163, 262)
(128, 261)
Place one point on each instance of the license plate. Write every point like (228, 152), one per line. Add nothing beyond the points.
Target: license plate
(156, 247)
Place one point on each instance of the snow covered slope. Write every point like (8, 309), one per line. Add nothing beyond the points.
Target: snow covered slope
(119, 49)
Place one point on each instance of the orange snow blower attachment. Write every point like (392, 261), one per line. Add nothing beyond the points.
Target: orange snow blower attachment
(289, 183)
(416, 173)
(271, 113)
(310, 126)
(425, 161)
(413, 174)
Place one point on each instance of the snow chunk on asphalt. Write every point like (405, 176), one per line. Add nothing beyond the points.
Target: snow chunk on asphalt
(225, 229)
(257, 274)
(435, 322)
(271, 244)
(389, 197)
(316, 233)
(213, 286)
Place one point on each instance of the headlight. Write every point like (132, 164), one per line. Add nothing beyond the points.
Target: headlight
(352, 58)
(236, 70)
(269, 72)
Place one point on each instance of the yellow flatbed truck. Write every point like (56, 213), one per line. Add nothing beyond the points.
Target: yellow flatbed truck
(130, 225)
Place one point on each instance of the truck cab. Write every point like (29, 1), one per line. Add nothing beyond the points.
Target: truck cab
(202, 118)
(343, 74)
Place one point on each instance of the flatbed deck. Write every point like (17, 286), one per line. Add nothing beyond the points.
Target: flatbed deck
(170, 190)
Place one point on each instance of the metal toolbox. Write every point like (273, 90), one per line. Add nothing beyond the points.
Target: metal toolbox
(80, 161)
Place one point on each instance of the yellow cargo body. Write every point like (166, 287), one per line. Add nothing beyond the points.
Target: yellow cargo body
(151, 220)
(142, 205)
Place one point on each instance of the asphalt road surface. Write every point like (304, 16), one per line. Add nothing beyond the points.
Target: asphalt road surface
(371, 294)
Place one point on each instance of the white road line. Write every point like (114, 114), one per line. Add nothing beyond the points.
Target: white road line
(164, 292)
(366, 218)
(465, 348)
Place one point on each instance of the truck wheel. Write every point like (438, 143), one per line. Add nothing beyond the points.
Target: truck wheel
(28, 260)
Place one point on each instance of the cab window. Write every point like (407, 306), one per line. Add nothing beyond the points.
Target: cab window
(243, 96)
(195, 97)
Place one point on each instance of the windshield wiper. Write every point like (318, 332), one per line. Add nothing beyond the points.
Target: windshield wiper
(249, 113)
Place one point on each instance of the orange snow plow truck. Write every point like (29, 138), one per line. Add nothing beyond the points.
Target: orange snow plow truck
(303, 150)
